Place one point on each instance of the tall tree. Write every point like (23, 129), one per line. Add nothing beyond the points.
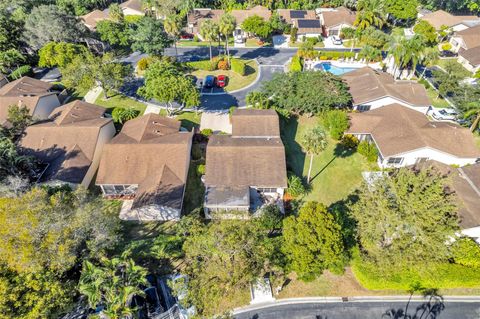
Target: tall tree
(314, 141)
(173, 26)
(86, 71)
(313, 241)
(407, 53)
(370, 13)
(405, 10)
(48, 23)
(406, 218)
(150, 37)
(209, 32)
(428, 58)
(226, 26)
(10, 59)
(59, 54)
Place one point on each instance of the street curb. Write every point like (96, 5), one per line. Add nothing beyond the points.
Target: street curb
(358, 299)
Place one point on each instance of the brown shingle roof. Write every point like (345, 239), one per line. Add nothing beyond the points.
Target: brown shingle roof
(197, 16)
(471, 55)
(255, 123)
(290, 15)
(440, 18)
(367, 85)
(341, 15)
(397, 129)
(91, 19)
(470, 36)
(23, 92)
(242, 15)
(148, 152)
(132, 4)
(235, 162)
(67, 145)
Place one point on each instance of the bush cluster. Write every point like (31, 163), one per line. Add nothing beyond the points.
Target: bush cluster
(466, 252)
(368, 150)
(296, 64)
(336, 122)
(201, 169)
(350, 141)
(21, 71)
(325, 55)
(239, 66)
(295, 185)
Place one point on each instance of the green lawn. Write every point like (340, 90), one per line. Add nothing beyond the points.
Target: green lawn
(252, 42)
(299, 44)
(334, 175)
(461, 70)
(235, 81)
(120, 100)
(437, 101)
(189, 119)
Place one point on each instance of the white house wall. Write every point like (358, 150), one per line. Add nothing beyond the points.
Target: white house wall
(410, 158)
(131, 12)
(473, 233)
(375, 104)
(107, 132)
(45, 106)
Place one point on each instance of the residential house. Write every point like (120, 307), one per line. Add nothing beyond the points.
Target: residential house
(371, 89)
(129, 8)
(306, 21)
(132, 8)
(247, 169)
(440, 18)
(196, 17)
(470, 59)
(467, 44)
(405, 137)
(334, 20)
(146, 165)
(465, 182)
(38, 96)
(69, 144)
(241, 15)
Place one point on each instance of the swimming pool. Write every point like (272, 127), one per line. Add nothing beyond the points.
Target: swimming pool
(328, 67)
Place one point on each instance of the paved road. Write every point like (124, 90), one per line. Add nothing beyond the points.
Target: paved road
(367, 310)
(271, 60)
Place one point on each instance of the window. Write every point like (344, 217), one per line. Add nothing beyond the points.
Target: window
(108, 189)
(363, 108)
(267, 190)
(395, 160)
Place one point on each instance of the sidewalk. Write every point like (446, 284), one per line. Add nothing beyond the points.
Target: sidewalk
(93, 95)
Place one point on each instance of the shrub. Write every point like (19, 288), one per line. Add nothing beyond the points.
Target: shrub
(121, 115)
(296, 64)
(368, 150)
(293, 34)
(231, 110)
(200, 169)
(295, 185)
(205, 65)
(350, 141)
(206, 132)
(311, 40)
(143, 63)
(222, 65)
(196, 152)
(466, 252)
(21, 71)
(195, 38)
(446, 46)
(239, 66)
(336, 122)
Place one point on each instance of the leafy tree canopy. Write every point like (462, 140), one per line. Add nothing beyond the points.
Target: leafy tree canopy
(403, 10)
(258, 26)
(150, 36)
(426, 30)
(406, 218)
(59, 53)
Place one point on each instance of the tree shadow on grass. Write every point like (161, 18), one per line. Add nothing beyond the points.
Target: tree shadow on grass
(340, 151)
(341, 211)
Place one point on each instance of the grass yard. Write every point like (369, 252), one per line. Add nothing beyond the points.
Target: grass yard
(299, 44)
(194, 191)
(437, 101)
(252, 42)
(120, 100)
(461, 70)
(235, 81)
(189, 120)
(334, 175)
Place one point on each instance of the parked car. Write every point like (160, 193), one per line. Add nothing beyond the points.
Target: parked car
(221, 81)
(336, 40)
(186, 36)
(445, 115)
(209, 82)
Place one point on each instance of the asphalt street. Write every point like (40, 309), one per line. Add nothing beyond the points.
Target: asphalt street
(367, 310)
(270, 60)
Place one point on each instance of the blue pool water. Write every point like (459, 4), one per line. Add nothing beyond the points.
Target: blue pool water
(328, 67)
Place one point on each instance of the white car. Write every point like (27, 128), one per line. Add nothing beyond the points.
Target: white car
(336, 40)
(445, 114)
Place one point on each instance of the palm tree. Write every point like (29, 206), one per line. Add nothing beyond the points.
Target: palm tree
(429, 57)
(370, 53)
(113, 284)
(209, 32)
(173, 26)
(407, 53)
(314, 142)
(370, 13)
(226, 27)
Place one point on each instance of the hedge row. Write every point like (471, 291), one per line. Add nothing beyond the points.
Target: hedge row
(325, 55)
(296, 64)
(239, 66)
